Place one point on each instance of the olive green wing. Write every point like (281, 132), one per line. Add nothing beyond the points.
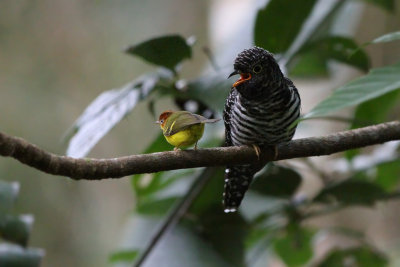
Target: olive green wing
(181, 120)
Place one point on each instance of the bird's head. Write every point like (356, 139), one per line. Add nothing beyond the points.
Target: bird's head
(258, 71)
(162, 120)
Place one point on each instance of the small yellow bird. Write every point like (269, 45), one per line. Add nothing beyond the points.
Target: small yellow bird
(182, 128)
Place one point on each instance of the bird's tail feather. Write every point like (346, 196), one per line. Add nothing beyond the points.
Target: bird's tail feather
(237, 181)
(210, 120)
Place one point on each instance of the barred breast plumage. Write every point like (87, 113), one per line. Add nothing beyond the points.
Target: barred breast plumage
(260, 110)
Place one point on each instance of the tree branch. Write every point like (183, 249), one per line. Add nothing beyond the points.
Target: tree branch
(97, 169)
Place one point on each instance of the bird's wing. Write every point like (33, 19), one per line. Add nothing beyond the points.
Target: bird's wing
(227, 116)
(205, 120)
(182, 122)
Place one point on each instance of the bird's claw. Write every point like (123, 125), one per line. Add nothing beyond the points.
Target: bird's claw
(176, 148)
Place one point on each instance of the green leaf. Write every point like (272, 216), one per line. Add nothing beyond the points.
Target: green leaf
(211, 195)
(278, 23)
(146, 184)
(277, 181)
(375, 110)
(155, 207)
(124, 256)
(255, 236)
(377, 83)
(352, 192)
(214, 87)
(16, 229)
(182, 244)
(183, 247)
(309, 65)
(295, 248)
(166, 51)
(371, 112)
(388, 175)
(225, 233)
(107, 110)
(361, 256)
(389, 37)
(15, 256)
(339, 48)
(159, 144)
(385, 4)
(156, 193)
(8, 194)
(318, 25)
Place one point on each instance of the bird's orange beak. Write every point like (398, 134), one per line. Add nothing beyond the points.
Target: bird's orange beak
(243, 77)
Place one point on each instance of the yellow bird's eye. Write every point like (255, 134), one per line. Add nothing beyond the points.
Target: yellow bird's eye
(257, 69)
(161, 121)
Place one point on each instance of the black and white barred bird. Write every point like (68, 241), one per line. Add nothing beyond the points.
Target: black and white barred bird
(260, 110)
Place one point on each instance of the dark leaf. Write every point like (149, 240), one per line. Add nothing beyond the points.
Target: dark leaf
(368, 113)
(388, 175)
(213, 87)
(148, 187)
(159, 144)
(339, 48)
(378, 82)
(166, 51)
(362, 256)
(8, 194)
(226, 234)
(124, 256)
(211, 195)
(295, 248)
(317, 26)
(156, 193)
(15, 256)
(106, 111)
(182, 247)
(277, 181)
(155, 207)
(16, 229)
(375, 110)
(278, 24)
(309, 65)
(352, 192)
(256, 235)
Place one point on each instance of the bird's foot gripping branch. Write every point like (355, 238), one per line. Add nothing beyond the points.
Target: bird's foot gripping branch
(97, 169)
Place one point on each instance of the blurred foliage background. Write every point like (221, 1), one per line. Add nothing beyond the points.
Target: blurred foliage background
(57, 56)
